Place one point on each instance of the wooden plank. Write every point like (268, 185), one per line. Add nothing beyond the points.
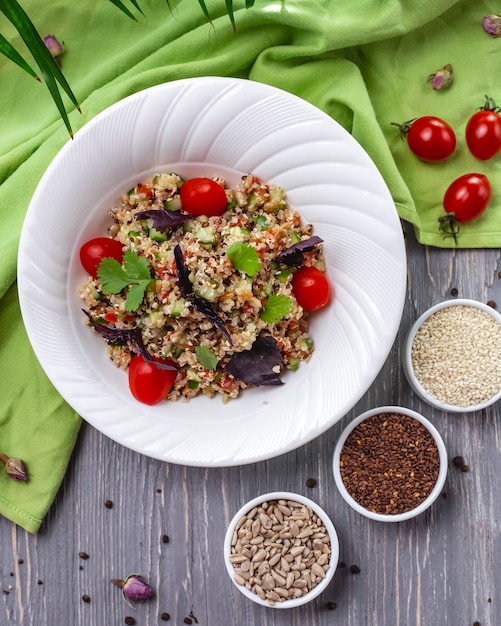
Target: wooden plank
(441, 568)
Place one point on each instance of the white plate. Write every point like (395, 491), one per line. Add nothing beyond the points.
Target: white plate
(230, 127)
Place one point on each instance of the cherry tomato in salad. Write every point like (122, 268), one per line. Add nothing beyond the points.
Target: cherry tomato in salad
(94, 250)
(311, 288)
(467, 197)
(203, 196)
(148, 383)
(429, 138)
(483, 131)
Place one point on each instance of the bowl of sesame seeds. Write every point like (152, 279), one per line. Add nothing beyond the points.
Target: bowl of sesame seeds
(390, 464)
(452, 356)
(281, 550)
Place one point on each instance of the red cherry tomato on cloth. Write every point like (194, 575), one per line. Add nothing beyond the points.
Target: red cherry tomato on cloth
(148, 383)
(94, 250)
(311, 288)
(203, 196)
(429, 138)
(483, 131)
(465, 199)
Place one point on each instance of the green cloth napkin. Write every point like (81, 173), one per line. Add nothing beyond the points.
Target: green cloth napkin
(365, 63)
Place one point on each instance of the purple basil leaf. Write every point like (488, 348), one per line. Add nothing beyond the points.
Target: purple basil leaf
(164, 219)
(205, 307)
(255, 366)
(132, 336)
(201, 304)
(293, 255)
(183, 282)
(113, 335)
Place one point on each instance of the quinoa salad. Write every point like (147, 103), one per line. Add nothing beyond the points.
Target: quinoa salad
(217, 299)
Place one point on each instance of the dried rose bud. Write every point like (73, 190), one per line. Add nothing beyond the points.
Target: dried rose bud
(14, 467)
(441, 78)
(54, 47)
(492, 25)
(134, 588)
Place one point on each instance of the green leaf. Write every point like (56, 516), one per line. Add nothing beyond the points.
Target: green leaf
(205, 10)
(136, 267)
(10, 52)
(123, 8)
(244, 258)
(207, 359)
(49, 69)
(229, 9)
(275, 308)
(135, 295)
(134, 274)
(262, 222)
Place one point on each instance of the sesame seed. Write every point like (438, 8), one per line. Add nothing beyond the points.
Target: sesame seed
(456, 355)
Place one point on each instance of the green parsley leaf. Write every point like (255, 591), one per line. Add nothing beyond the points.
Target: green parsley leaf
(275, 308)
(206, 358)
(244, 258)
(133, 274)
(262, 222)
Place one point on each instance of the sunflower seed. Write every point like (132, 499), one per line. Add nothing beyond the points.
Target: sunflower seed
(280, 550)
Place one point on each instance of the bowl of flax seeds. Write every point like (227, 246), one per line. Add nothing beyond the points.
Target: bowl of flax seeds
(281, 550)
(390, 464)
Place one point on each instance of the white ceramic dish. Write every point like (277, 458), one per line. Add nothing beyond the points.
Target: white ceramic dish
(229, 127)
(334, 545)
(407, 357)
(437, 489)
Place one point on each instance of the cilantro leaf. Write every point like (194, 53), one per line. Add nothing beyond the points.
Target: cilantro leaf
(244, 258)
(275, 308)
(207, 359)
(133, 274)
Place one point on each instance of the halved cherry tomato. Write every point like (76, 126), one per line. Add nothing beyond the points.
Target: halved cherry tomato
(483, 131)
(203, 196)
(148, 383)
(467, 197)
(429, 138)
(94, 250)
(311, 288)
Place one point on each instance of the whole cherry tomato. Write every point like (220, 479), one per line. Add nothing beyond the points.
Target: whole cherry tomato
(94, 250)
(465, 199)
(483, 131)
(429, 138)
(311, 288)
(149, 383)
(203, 196)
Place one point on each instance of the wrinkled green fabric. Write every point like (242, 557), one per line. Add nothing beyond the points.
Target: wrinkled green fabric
(365, 63)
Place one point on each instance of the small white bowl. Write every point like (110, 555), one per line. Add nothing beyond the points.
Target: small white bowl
(334, 547)
(407, 357)
(425, 504)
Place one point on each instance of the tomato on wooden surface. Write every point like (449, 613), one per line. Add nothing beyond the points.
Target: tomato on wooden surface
(429, 138)
(94, 250)
(483, 131)
(149, 383)
(468, 196)
(311, 288)
(203, 196)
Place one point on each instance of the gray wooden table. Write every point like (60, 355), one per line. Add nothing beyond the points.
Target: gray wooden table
(168, 522)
